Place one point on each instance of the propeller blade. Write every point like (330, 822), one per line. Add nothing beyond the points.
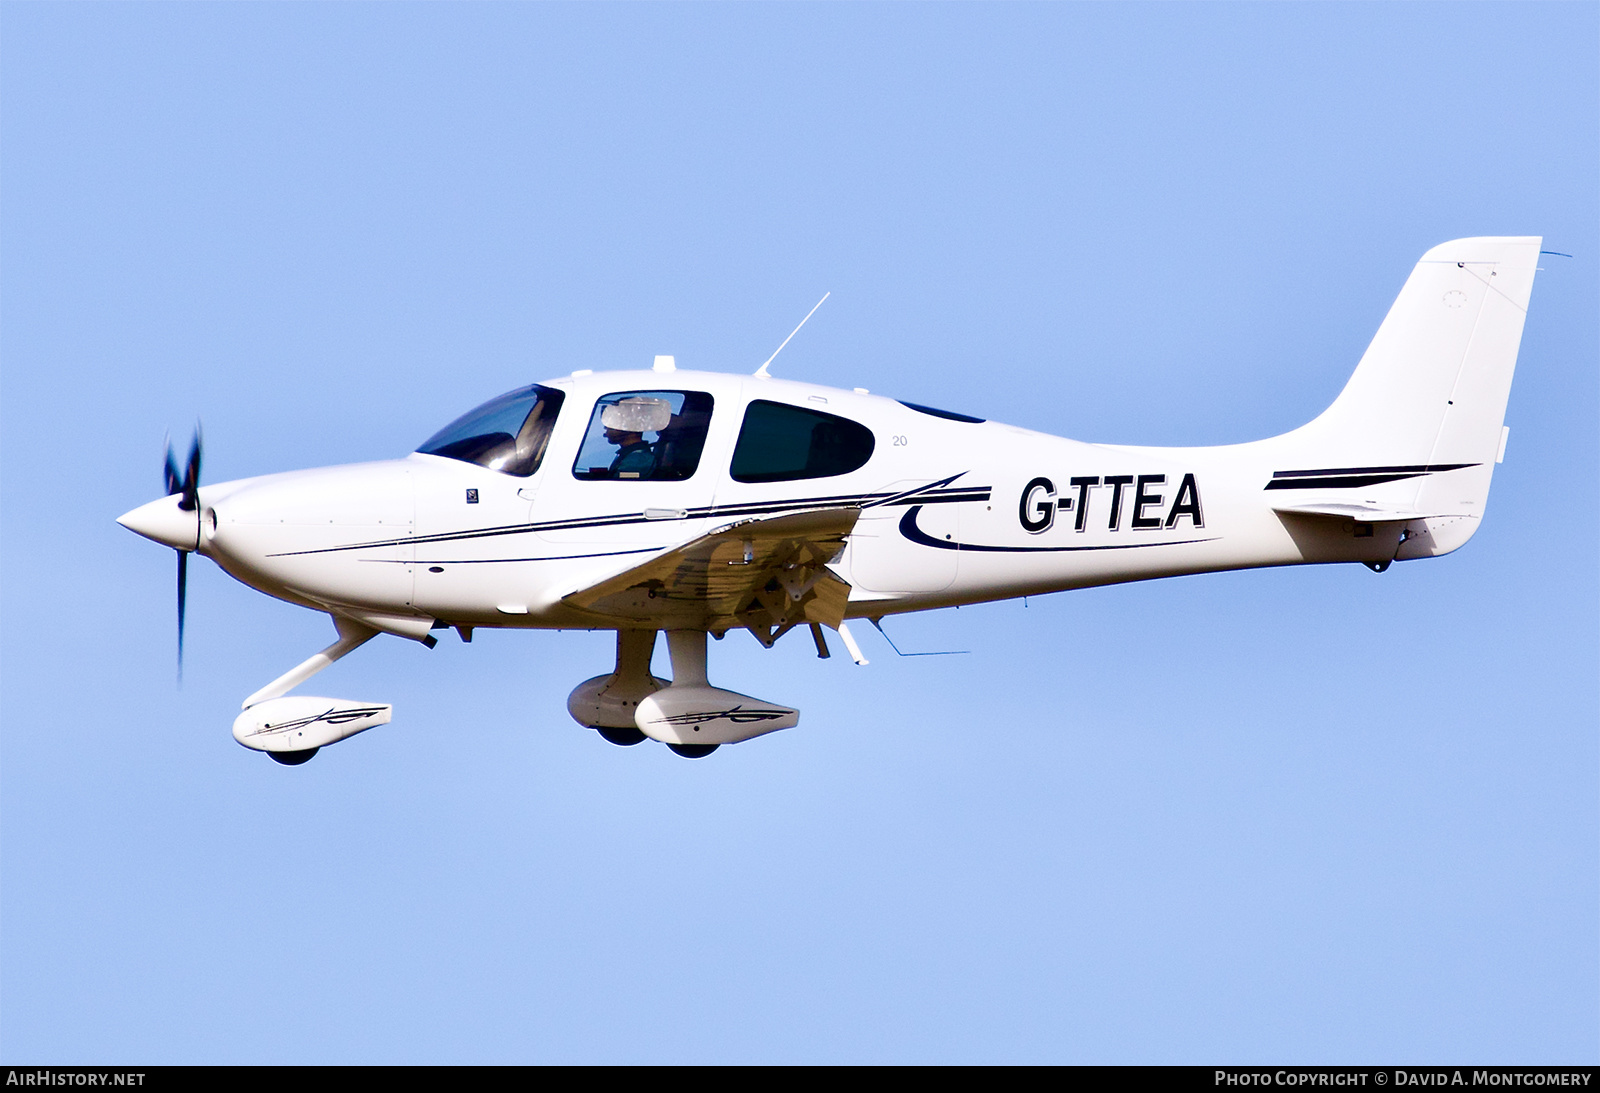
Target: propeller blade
(183, 591)
(174, 480)
(191, 476)
(186, 483)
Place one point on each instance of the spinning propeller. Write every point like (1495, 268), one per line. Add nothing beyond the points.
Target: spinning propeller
(174, 523)
(174, 520)
(188, 486)
(188, 483)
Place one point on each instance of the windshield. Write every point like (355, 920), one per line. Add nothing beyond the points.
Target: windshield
(507, 434)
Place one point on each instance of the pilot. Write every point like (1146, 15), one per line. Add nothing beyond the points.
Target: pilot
(625, 424)
(636, 457)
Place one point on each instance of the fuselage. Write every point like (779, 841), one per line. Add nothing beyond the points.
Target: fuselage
(954, 510)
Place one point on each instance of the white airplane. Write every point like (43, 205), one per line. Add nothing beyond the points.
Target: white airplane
(699, 503)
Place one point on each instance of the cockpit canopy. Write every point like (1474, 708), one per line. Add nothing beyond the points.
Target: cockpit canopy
(507, 434)
(657, 436)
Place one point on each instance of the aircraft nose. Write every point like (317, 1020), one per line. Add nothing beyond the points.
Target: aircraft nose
(165, 523)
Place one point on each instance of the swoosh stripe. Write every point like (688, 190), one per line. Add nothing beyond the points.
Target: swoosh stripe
(930, 494)
(1350, 477)
(909, 528)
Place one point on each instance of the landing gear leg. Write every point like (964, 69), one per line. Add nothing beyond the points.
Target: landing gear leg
(607, 703)
(688, 651)
(352, 635)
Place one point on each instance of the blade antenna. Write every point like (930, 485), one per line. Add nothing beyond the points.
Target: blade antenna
(878, 623)
(762, 371)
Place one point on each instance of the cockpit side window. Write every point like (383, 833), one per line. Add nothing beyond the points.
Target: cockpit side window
(507, 434)
(651, 436)
(783, 443)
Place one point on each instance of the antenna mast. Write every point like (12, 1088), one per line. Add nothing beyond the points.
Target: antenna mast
(762, 371)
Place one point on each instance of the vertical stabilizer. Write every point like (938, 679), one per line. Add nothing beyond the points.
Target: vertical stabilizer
(1425, 408)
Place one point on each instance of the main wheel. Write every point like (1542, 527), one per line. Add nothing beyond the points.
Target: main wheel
(694, 751)
(623, 738)
(293, 758)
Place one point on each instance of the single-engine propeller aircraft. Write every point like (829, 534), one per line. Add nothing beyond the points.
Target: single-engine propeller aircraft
(699, 503)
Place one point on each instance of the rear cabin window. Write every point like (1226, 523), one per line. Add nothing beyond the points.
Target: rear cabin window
(644, 436)
(782, 443)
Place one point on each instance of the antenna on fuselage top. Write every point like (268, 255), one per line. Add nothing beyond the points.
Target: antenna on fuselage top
(762, 371)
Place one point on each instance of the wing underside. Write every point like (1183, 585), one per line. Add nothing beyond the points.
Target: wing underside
(765, 575)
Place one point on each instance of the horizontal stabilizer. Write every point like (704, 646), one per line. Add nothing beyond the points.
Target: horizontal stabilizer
(1366, 514)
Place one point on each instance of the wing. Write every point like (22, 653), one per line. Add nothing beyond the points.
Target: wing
(765, 575)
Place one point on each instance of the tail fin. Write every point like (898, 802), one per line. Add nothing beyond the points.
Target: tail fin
(1419, 425)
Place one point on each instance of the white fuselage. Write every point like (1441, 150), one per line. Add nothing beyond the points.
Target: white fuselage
(1005, 512)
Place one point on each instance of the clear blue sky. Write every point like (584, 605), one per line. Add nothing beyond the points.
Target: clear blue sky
(1303, 815)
